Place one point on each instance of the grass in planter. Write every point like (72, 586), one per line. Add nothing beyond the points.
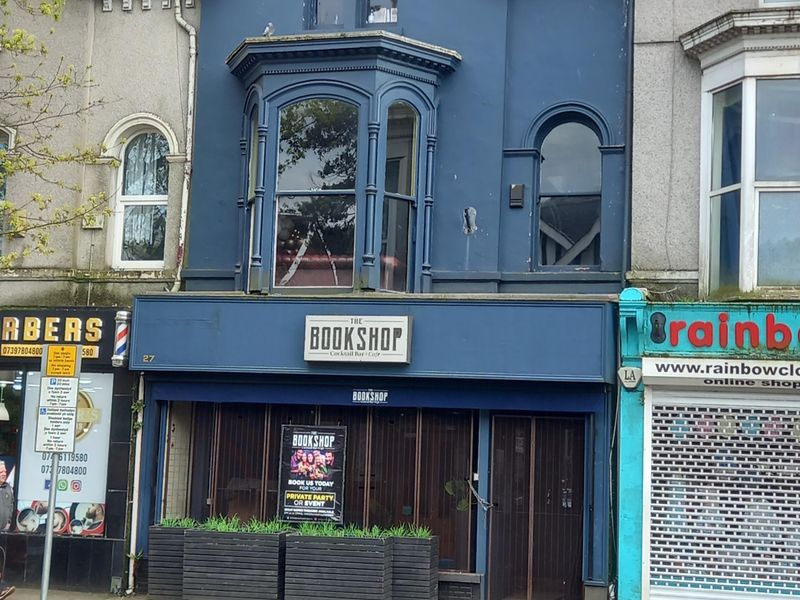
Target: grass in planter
(333, 530)
(182, 523)
(419, 531)
(265, 527)
(223, 524)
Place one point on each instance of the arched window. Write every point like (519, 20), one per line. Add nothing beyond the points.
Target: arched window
(569, 197)
(142, 203)
(399, 194)
(316, 197)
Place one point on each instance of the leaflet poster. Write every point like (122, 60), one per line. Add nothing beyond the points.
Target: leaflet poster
(81, 481)
(312, 473)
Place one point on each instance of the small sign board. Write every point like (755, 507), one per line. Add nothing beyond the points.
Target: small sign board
(57, 413)
(312, 473)
(370, 339)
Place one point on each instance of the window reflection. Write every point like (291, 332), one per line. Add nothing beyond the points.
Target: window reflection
(400, 189)
(315, 241)
(382, 11)
(569, 197)
(318, 148)
(330, 13)
(778, 238)
(777, 130)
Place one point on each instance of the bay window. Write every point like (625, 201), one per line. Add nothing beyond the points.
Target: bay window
(754, 185)
(347, 156)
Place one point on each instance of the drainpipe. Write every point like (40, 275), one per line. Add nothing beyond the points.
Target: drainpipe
(137, 467)
(187, 164)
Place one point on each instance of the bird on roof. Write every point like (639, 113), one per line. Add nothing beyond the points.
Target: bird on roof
(269, 29)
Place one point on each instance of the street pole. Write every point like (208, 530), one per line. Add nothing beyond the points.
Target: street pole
(48, 536)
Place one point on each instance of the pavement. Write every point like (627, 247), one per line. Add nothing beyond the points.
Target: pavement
(35, 594)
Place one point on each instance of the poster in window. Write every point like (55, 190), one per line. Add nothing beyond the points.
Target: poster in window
(312, 473)
(81, 493)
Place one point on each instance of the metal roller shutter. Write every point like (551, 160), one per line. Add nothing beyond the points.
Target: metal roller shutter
(724, 497)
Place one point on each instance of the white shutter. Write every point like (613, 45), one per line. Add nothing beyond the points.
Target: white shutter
(724, 498)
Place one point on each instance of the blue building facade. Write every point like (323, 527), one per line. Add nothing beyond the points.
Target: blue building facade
(408, 220)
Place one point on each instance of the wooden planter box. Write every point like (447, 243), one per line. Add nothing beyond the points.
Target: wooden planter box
(245, 566)
(338, 568)
(165, 563)
(415, 568)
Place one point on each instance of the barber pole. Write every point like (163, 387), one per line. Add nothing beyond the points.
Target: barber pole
(123, 319)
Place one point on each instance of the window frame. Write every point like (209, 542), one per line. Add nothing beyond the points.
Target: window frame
(745, 68)
(123, 201)
(778, 3)
(269, 221)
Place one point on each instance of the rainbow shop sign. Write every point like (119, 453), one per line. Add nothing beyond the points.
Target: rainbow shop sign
(745, 346)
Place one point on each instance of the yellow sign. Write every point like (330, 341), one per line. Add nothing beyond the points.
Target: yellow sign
(24, 350)
(62, 361)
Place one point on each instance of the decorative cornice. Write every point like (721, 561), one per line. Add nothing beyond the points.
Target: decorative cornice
(303, 49)
(738, 23)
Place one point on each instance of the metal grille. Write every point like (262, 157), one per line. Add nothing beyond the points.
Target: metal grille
(725, 499)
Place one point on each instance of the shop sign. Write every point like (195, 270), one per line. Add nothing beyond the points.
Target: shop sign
(370, 396)
(720, 373)
(339, 338)
(82, 473)
(312, 473)
(24, 333)
(724, 329)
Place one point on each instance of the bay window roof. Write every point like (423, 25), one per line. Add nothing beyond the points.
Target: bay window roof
(387, 48)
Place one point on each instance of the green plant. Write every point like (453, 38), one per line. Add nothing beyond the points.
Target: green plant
(419, 531)
(180, 523)
(223, 524)
(267, 527)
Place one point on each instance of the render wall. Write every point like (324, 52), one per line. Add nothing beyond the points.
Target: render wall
(138, 63)
(666, 142)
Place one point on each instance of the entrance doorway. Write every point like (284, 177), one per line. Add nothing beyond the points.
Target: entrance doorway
(536, 525)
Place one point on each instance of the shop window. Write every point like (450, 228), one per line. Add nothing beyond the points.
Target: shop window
(403, 466)
(569, 197)
(10, 404)
(141, 217)
(316, 199)
(399, 195)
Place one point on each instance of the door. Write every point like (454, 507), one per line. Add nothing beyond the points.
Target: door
(536, 524)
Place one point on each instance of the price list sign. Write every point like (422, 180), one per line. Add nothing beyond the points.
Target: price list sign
(58, 399)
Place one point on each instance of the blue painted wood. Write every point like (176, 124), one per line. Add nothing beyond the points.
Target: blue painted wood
(543, 57)
(474, 339)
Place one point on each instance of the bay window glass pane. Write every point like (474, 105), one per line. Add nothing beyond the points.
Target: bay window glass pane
(725, 230)
(778, 238)
(778, 130)
(145, 169)
(394, 244)
(570, 161)
(143, 232)
(382, 11)
(315, 241)
(318, 148)
(726, 160)
(401, 150)
(569, 230)
(330, 12)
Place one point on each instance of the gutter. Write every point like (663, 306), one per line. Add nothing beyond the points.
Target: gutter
(187, 165)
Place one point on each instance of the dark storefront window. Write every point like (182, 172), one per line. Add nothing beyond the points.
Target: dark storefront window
(10, 403)
(403, 466)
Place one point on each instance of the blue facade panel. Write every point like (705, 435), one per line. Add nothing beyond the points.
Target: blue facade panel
(517, 340)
